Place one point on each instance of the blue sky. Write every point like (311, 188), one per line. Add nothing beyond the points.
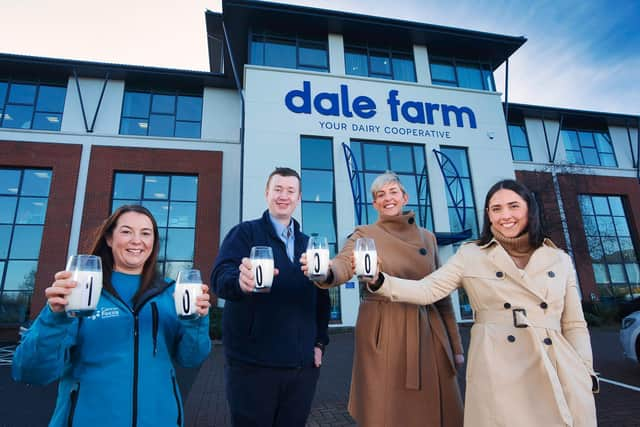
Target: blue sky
(579, 54)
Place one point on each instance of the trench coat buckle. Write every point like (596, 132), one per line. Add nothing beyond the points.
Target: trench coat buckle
(515, 317)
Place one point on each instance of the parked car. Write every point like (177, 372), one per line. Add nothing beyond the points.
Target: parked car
(630, 336)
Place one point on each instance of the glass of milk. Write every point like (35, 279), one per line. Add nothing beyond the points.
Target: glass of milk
(262, 265)
(366, 258)
(318, 258)
(188, 288)
(86, 270)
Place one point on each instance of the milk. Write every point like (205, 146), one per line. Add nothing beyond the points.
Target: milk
(318, 263)
(83, 299)
(185, 297)
(366, 263)
(263, 274)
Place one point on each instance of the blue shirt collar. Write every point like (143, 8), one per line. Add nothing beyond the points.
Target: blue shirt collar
(281, 230)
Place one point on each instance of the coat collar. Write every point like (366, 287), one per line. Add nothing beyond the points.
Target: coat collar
(543, 258)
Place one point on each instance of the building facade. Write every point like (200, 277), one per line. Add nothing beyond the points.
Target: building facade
(339, 97)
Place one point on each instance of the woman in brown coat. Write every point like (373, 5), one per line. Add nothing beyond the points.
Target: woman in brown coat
(530, 360)
(404, 371)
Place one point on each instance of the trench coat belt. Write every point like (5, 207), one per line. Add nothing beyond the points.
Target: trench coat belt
(412, 344)
(511, 317)
(533, 320)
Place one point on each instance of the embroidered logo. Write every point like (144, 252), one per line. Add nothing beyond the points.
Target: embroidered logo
(106, 313)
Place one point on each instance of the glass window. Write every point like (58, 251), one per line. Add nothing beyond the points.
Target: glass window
(470, 76)
(51, 99)
(172, 200)
(161, 114)
(189, 108)
(22, 93)
(31, 106)
(613, 256)
(375, 158)
(459, 158)
(23, 208)
(318, 200)
(356, 62)
(519, 142)
(380, 62)
(584, 147)
(458, 73)
(18, 116)
(288, 51)
(312, 56)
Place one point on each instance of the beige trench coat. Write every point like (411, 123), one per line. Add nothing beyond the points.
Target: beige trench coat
(403, 370)
(530, 360)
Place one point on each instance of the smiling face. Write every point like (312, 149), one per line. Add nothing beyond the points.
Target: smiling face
(390, 199)
(283, 195)
(508, 213)
(131, 242)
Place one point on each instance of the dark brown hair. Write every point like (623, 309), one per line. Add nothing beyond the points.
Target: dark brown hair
(102, 249)
(535, 223)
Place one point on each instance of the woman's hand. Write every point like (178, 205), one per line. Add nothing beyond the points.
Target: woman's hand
(459, 359)
(305, 269)
(366, 280)
(57, 293)
(246, 280)
(202, 301)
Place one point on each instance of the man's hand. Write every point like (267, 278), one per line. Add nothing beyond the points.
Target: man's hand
(317, 356)
(246, 280)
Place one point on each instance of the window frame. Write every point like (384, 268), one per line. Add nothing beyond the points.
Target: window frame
(392, 53)
(523, 128)
(366, 203)
(264, 36)
(177, 94)
(591, 218)
(334, 293)
(35, 110)
(485, 68)
(566, 131)
(5, 259)
(163, 260)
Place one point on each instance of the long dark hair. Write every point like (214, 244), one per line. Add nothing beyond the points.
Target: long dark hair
(535, 223)
(102, 249)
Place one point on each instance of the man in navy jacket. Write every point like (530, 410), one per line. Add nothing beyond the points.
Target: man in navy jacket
(273, 341)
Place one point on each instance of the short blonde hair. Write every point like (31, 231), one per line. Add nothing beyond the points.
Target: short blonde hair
(389, 177)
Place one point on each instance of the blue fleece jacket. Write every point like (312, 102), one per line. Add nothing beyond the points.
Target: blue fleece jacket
(279, 328)
(115, 367)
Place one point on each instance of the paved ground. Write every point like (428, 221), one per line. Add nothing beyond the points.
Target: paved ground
(24, 406)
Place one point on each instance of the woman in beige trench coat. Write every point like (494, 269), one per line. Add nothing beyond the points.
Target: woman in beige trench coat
(530, 360)
(404, 371)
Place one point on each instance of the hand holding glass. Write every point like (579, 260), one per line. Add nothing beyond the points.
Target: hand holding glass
(262, 266)
(188, 289)
(318, 258)
(366, 258)
(86, 270)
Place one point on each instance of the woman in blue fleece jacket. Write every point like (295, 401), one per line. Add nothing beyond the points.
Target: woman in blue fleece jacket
(115, 367)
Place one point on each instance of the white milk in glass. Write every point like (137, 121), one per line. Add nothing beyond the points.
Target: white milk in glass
(83, 299)
(318, 263)
(185, 299)
(366, 263)
(263, 273)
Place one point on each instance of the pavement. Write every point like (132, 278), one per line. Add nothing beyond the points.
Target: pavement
(205, 404)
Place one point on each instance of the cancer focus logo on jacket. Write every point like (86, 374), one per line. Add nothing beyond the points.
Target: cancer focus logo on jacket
(105, 313)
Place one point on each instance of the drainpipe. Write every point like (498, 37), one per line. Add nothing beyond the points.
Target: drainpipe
(242, 112)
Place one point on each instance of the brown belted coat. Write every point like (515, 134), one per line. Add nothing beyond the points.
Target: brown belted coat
(530, 360)
(403, 369)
